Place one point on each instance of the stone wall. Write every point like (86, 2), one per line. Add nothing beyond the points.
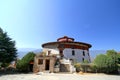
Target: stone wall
(64, 68)
(41, 67)
(78, 54)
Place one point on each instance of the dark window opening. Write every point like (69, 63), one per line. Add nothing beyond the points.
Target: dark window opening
(73, 52)
(83, 59)
(71, 59)
(40, 61)
(83, 53)
(61, 51)
(49, 52)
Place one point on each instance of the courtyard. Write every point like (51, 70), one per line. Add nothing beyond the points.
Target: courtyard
(60, 76)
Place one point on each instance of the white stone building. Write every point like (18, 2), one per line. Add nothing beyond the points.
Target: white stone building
(65, 51)
(69, 49)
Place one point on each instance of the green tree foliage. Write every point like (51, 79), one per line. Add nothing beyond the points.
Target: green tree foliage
(85, 61)
(77, 66)
(84, 67)
(118, 56)
(107, 62)
(8, 52)
(113, 60)
(100, 62)
(23, 64)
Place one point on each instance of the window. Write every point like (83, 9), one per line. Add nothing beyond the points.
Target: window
(83, 53)
(73, 52)
(61, 51)
(83, 59)
(40, 61)
(88, 53)
(49, 52)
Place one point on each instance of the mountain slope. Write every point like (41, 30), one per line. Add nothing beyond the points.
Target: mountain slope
(23, 51)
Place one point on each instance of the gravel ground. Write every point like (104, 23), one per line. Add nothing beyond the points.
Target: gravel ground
(59, 77)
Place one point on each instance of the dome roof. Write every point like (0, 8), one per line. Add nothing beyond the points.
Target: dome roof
(65, 39)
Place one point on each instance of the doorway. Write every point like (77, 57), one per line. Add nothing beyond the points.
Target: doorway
(31, 67)
(47, 64)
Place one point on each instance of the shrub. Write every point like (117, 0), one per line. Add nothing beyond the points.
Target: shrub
(77, 66)
(85, 67)
(23, 64)
(93, 68)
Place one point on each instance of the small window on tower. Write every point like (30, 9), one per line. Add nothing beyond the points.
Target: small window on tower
(83, 59)
(83, 53)
(73, 52)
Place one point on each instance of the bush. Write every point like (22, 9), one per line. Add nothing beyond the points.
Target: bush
(101, 63)
(85, 67)
(107, 63)
(23, 64)
(77, 66)
(93, 68)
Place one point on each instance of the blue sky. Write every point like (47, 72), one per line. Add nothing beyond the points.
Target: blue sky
(33, 22)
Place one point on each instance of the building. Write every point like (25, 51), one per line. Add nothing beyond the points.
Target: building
(60, 55)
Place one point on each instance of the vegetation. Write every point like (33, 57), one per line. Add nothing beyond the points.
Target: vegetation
(77, 66)
(107, 63)
(103, 63)
(8, 52)
(23, 64)
(118, 56)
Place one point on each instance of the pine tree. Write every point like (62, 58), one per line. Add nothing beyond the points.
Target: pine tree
(8, 52)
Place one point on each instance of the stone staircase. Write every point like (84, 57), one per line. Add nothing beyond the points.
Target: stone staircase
(66, 66)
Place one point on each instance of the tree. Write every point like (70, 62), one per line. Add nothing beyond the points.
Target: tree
(23, 64)
(118, 55)
(8, 51)
(108, 62)
(113, 60)
(100, 62)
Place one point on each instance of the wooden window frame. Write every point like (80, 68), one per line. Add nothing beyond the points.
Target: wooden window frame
(40, 61)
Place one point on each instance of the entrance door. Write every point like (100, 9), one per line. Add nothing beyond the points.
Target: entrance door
(47, 64)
